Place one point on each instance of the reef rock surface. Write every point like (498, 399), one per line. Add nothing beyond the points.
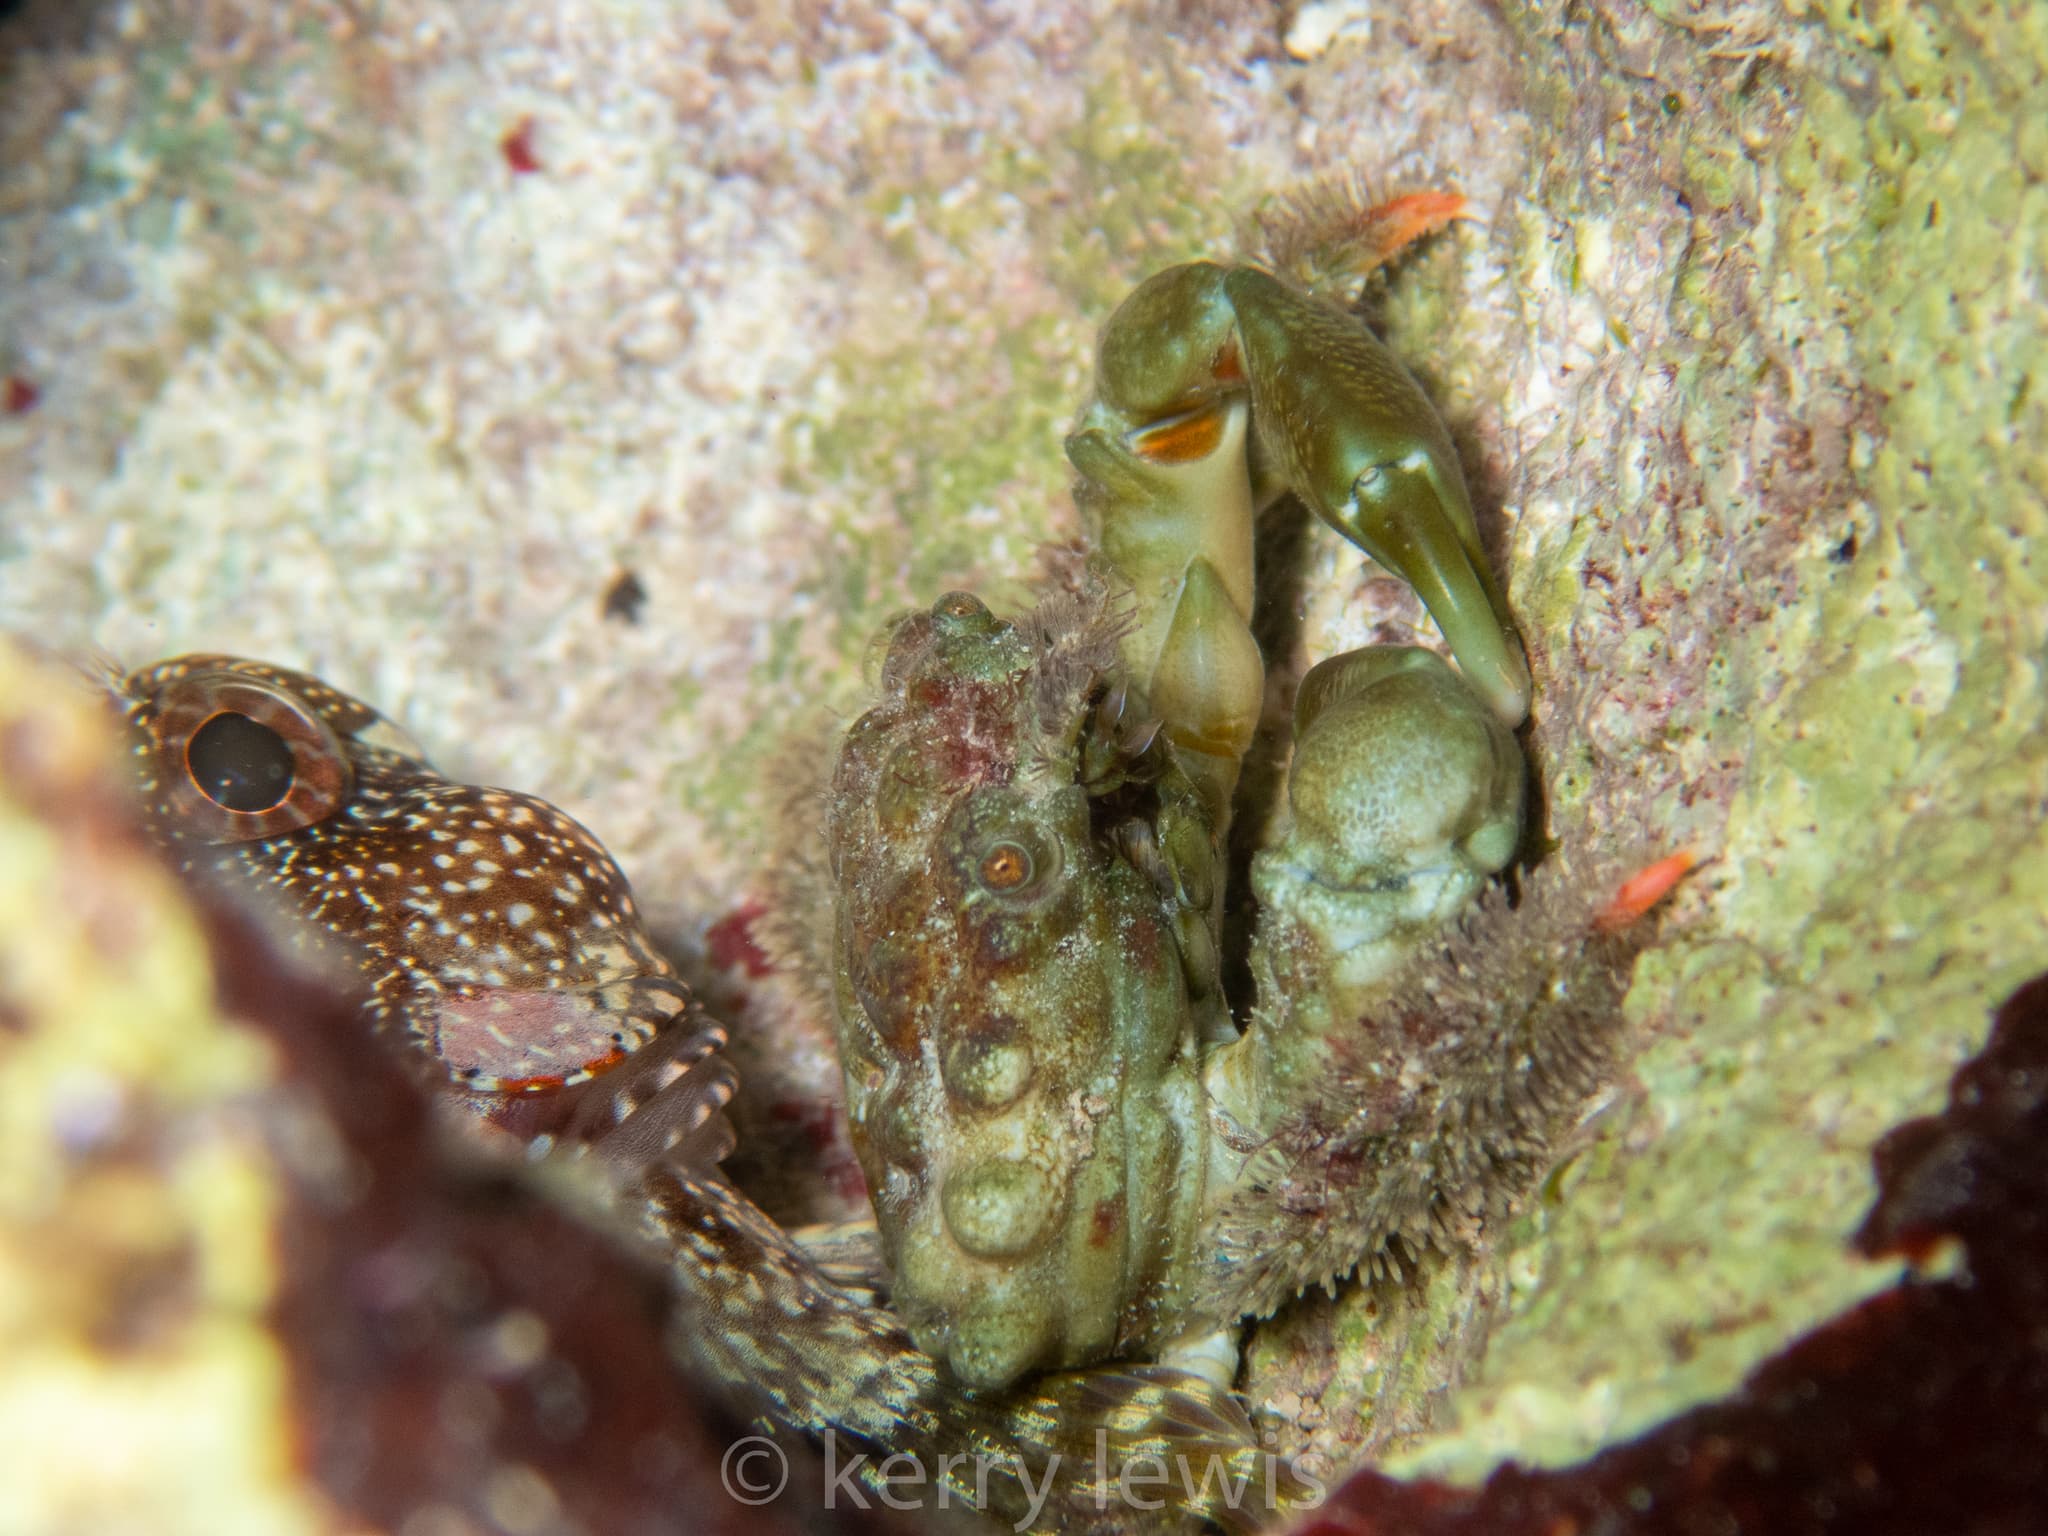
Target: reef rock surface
(588, 383)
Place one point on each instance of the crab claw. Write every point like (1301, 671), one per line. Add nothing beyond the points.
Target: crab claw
(1219, 389)
(1338, 420)
(1406, 796)
(1208, 684)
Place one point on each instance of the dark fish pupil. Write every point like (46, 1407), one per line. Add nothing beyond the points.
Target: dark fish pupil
(239, 764)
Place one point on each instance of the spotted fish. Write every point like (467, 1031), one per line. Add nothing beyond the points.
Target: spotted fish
(496, 937)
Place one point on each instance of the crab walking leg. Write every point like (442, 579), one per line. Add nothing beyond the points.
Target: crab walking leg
(1333, 418)
(758, 1319)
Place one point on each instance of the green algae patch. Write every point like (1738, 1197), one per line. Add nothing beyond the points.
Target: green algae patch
(1882, 874)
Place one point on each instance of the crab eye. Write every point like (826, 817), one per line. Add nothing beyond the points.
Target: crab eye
(1006, 867)
(238, 758)
(239, 764)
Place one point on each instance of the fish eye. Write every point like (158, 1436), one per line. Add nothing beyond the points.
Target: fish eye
(240, 764)
(1006, 867)
(237, 755)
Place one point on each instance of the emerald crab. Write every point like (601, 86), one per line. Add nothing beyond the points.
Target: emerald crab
(1028, 836)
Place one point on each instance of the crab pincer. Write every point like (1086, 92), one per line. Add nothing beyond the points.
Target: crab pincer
(1221, 388)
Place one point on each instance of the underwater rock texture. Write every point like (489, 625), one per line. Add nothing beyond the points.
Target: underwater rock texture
(387, 340)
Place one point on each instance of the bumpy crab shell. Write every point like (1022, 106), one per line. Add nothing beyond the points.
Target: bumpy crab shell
(1022, 1012)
